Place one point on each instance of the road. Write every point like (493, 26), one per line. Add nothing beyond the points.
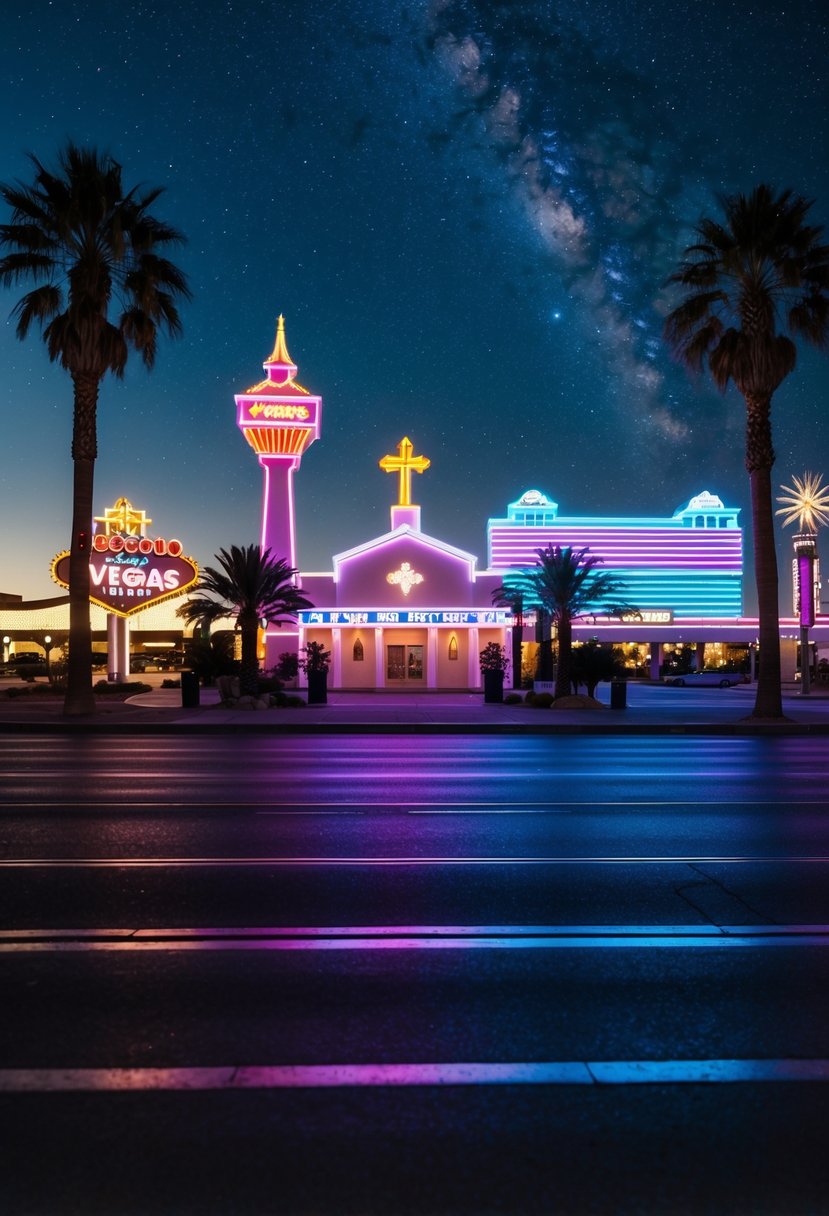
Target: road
(414, 974)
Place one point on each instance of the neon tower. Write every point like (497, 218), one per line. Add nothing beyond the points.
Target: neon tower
(279, 419)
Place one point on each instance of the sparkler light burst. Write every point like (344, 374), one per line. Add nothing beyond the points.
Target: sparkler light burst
(806, 503)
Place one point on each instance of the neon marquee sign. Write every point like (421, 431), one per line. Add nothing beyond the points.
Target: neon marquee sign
(135, 544)
(279, 411)
(129, 573)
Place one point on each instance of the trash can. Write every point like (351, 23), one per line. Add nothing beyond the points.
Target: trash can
(189, 690)
(618, 694)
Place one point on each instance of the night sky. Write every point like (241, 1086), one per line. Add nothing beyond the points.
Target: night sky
(484, 276)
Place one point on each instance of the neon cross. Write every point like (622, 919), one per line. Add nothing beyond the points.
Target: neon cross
(123, 518)
(403, 464)
(406, 577)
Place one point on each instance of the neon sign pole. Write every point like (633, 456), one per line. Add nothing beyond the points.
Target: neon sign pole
(807, 504)
(280, 420)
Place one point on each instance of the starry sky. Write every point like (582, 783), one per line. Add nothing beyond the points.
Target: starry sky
(466, 211)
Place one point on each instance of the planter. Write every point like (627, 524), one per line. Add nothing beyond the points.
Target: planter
(493, 687)
(317, 687)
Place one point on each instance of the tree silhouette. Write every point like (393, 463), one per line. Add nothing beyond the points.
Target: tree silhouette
(760, 271)
(91, 249)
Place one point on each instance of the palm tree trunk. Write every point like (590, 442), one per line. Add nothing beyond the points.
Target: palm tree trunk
(565, 650)
(517, 638)
(759, 461)
(544, 659)
(249, 670)
(79, 696)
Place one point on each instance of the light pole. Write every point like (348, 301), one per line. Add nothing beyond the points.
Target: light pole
(807, 504)
(47, 645)
(804, 549)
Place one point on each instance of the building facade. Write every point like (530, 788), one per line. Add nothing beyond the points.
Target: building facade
(409, 610)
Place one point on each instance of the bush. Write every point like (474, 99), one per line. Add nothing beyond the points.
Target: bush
(171, 683)
(287, 667)
(129, 688)
(513, 698)
(542, 700)
(493, 658)
(287, 700)
(268, 684)
(530, 698)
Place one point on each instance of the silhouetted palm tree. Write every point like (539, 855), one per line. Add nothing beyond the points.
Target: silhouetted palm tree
(251, 586)
(566, 583)
(89, 247)
(761, 271)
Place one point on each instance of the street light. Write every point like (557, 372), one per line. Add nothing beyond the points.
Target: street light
(807, 504)
(48, 646)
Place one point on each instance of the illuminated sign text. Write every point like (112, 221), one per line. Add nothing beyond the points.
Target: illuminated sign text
(279, 411)
(125, 577)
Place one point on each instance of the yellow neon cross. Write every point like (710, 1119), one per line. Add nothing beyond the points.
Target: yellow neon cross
(404, 463)
(124, 519)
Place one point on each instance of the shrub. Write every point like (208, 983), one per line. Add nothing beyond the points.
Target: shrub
(542, 700)
(530, 698)
(287, 667)
(287, 700)
(171, 683)
(130, 688)
(493, 657)
(513, 698)
(314, 658)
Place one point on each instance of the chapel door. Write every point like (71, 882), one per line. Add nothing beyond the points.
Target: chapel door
(404, 664)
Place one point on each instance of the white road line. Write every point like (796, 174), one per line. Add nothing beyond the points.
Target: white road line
(326, 1076)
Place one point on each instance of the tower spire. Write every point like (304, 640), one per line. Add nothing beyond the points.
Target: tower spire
(280, 349)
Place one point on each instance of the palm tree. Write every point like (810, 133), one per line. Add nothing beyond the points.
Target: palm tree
(88, 247)
(251, 586)
(760, 271)
(511, 595)
(567, 585)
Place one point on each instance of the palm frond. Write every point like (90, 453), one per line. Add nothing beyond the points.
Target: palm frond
(39, 305)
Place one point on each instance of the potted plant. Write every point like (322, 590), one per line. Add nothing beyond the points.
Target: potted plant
(314, 661)
(493, 660)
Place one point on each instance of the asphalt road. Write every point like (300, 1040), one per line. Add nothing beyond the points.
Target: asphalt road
(364, 974)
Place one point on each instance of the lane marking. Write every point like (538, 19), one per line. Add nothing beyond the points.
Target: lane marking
(410, 941)
(426, 807)
(288, 862)
(239, 933)
(327, 1076)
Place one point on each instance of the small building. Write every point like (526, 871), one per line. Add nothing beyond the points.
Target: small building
(404, 610)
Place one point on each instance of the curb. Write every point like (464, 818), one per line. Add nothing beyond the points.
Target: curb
(747, 729)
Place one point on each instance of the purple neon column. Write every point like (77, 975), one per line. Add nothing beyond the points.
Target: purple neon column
(278, 530)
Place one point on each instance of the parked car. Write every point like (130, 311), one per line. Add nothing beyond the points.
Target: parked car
(26, 664)
(707, 679)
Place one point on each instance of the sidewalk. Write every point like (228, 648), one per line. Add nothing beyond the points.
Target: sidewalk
(650, 710)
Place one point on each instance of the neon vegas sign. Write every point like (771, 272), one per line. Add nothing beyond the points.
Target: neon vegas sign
(129, 573)
(487, 616)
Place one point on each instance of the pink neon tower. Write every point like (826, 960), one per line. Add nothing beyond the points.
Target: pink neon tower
(280, 419)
